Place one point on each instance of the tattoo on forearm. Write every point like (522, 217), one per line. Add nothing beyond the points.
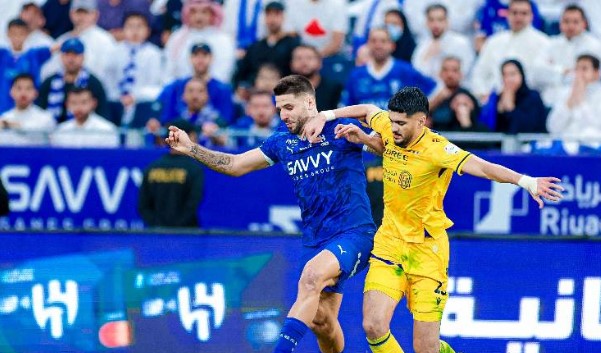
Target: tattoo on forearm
(218, 161)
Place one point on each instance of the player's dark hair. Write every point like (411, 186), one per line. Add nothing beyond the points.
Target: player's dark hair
(294, 84)
(135, 14)
(437, 6)
(593, 59)
(311, 48)
(23, 77)
(17, 22)
(409, 100)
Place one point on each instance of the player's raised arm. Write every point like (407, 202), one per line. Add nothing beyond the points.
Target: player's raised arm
(353, 133)
(545, 187)
(225, 163)
(314, 126)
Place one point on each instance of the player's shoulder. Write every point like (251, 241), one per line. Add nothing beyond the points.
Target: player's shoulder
(279, 136)
(435, 143)
(433, 140)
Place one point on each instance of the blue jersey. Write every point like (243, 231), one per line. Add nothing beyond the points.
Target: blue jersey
(364, 87)
(11, 65)
(173, 105)
(329, 182)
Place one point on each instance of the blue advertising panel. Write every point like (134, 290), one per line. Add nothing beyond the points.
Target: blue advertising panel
(73, 189)
(183, 293)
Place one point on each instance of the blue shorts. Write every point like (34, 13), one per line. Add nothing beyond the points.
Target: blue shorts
(352, 249)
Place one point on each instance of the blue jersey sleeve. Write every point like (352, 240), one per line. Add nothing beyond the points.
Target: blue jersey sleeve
(270, 148)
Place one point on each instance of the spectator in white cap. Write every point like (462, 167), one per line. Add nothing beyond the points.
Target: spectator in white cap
(201, 23)
(98, 42)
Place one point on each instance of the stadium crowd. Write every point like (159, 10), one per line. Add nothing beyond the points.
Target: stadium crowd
(112, 73)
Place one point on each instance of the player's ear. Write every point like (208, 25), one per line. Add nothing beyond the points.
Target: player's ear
(310, 102)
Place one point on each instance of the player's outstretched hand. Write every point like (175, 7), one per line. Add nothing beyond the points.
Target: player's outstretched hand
(547, 188)
(313, 128)
(178, 140)
(352, 133)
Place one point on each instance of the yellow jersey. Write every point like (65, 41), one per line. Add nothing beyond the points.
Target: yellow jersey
(416, 179)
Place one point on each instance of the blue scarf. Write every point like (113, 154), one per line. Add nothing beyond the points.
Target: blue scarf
(247, 33)
(56, 96)
(129, 72)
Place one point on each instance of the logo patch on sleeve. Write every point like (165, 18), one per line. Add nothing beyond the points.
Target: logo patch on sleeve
(451, 149)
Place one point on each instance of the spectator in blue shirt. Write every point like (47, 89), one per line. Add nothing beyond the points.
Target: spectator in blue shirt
(220, 93)
(16, 60)
(383, 76)
(260, 120)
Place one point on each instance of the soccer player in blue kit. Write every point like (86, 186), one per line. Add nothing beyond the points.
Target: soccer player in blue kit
(330, 184)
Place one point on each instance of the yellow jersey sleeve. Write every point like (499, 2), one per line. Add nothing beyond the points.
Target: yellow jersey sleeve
(379, 122)
(447, 155)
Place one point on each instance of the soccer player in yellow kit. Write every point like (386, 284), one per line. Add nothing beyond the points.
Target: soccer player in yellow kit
(411, 249)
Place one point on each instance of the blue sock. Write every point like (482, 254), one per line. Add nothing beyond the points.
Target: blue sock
(292, 332)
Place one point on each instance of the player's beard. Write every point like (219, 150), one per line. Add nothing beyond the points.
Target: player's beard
(404, 142)
(297, 128)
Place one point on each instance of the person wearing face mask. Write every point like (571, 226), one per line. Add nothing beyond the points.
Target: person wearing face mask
(515, 108)
(400, 34)
(370, 14)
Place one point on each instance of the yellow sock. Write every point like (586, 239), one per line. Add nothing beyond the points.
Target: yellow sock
(445, 348)
(385, 344)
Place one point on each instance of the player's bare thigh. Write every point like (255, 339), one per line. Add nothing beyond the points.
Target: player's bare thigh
(323, 268)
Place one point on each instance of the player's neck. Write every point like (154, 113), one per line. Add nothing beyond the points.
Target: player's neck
(416, 137)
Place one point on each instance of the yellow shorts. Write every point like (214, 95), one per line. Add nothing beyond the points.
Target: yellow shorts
(415, 270)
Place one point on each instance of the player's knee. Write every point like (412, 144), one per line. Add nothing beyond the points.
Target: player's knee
(310, 281)
(322, 325)
(375, 327)
(424, 345)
